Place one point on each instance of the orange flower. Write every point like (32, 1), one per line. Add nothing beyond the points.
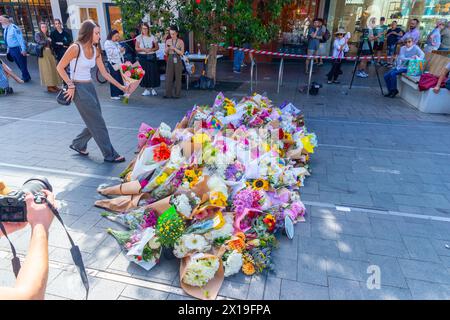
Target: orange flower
(248, 268)
(161, 153)
(237, 244)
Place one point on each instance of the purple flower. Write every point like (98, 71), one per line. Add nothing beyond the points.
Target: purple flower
(149, 220)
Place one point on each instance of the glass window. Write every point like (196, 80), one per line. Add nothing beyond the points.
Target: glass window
(353, 15)
(296, 18)
(88, 13)
(114, 18)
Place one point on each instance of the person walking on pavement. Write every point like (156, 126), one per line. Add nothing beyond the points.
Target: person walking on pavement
(409, 51)
(340, 47)
(114, 53)
(61, 40)
(146, 48)
(175, 50)
(314, 37)
(82, 57)
(16, 48)
(47, 63)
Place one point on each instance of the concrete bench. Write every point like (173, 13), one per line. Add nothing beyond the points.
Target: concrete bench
(426, 101)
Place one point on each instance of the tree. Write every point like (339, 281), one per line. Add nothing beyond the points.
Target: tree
(162, 13)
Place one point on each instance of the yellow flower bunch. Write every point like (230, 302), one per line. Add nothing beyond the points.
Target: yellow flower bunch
(192, 176)
(218, 199)
(162, 178)
(201, 138)
(229, 107)
(307, 145)
(287, 136)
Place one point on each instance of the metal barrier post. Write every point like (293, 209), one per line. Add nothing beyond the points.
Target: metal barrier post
(310, 75)
(280, 75)
(252, 72)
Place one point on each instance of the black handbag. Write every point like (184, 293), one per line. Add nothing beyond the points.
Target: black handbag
(61, 98)
(36, 49)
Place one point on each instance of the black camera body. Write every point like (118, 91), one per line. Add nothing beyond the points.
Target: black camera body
(13, 207)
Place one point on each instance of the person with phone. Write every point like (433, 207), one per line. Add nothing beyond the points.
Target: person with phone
(114, 53)
(174, 51)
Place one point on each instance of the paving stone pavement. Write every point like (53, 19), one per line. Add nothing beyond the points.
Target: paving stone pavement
(379, 194)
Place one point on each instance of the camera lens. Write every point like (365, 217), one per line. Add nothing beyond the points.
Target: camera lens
(36, 184)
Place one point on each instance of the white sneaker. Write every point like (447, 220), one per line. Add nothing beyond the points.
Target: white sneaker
(154, 93)
(359, 74)
(365, 74)
(115, 98)
(146, 93)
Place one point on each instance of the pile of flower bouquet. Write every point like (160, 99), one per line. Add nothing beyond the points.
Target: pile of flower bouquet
(215, 191)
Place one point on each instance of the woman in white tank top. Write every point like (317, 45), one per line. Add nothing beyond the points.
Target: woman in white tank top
(82, 57)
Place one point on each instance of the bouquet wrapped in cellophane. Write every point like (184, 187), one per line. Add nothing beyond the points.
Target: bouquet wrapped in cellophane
(228, 183)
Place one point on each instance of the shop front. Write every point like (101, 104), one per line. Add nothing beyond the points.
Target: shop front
(353, 15)
(295, 21)
(27, 14)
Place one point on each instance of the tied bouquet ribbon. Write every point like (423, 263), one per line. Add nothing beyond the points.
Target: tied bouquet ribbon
(132, 75)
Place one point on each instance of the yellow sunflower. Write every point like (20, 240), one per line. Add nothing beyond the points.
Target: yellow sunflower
(261, 184)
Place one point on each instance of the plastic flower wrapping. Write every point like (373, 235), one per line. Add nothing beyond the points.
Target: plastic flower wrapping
(219, 187)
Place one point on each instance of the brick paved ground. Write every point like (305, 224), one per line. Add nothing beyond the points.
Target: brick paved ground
(383, 162)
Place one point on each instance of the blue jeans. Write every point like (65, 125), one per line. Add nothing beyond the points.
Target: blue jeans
(21, 62)
(447, 84)
(391, 49)
(238, 60)
(391, 78)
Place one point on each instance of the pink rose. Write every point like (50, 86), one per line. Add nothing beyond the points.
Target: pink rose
(127, 74)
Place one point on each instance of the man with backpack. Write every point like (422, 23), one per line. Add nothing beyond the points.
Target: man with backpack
(323, 42)
(314, 37)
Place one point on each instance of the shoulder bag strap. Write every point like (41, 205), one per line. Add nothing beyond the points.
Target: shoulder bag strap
(76, 61)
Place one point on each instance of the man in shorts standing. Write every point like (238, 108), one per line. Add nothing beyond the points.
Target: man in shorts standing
(379, 35)
(314, 37)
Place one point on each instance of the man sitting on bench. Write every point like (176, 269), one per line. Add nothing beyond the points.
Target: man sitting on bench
(445, 72)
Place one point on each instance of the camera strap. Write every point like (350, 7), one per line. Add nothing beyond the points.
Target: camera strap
(15, 260)
(74, 250)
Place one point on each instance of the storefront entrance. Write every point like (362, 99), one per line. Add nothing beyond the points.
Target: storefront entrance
(295, 21)
(27, 15)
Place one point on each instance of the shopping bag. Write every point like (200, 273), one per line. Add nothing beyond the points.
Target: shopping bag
(416, 67)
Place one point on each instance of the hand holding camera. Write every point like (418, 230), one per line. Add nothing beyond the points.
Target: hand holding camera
(39, 213)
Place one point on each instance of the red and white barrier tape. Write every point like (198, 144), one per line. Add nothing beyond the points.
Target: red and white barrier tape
(290, 55)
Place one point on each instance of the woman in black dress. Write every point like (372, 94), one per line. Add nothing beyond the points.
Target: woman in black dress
(146, 48)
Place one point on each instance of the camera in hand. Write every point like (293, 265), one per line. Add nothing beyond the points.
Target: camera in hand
(13, 207)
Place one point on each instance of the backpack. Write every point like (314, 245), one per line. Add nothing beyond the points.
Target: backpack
(325, 36)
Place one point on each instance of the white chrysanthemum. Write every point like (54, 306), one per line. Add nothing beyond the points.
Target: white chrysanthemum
(189, 243)
(182, 205)
(165, 131)
(154, 243)
(233, 264)
(196, 242)
(200, 271)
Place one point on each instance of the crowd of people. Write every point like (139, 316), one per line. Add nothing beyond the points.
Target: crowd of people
(143, 47)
